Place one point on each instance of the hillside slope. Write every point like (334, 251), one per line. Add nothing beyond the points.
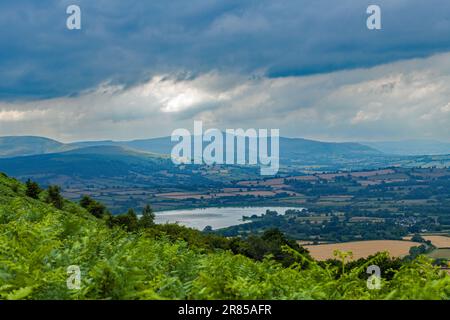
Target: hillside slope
(411, 147)
(13, 146)
(38, 243)
(290, 148)
(99, 161)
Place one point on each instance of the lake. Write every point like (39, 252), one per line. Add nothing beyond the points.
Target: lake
(215, 217)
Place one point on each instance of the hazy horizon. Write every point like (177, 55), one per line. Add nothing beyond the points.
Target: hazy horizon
(281, 136)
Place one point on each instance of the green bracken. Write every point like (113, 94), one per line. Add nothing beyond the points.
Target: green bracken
(38, 242)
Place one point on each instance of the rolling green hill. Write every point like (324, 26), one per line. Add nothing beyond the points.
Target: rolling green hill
(291, 149)
(411, 147)
(295, 153)
(92, 162)
(13, 146)
(115, 171)
(39, 242)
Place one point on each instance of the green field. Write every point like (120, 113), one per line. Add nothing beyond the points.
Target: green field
(443, 253)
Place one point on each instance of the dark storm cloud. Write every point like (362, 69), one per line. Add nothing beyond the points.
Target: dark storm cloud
(127, 42)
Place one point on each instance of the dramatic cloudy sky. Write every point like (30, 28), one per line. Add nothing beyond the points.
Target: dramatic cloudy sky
(140, 68)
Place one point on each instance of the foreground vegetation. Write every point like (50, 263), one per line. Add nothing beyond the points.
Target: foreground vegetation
(41, 235)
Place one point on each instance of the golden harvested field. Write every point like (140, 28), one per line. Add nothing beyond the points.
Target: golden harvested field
(362, 249)
(439, 241)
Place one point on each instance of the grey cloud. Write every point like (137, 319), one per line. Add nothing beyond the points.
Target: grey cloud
(129, 42)
(407, 99)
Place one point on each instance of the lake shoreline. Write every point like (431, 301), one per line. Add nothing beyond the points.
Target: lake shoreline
(216, 217)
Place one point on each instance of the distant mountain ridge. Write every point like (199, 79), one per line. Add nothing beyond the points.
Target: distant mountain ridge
(289, 147)
(411, 147)
(95, 161)
(12, 146)
(155, 145)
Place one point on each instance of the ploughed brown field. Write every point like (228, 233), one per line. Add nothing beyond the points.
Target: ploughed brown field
(362, 249)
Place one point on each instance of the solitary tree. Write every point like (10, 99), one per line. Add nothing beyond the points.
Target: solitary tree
(417, 238)
(132, 220)
(54, 197)
(127, 220)
(33, 190)
(148, 217)
(207, 229)
(96, 208)
(86, 201)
